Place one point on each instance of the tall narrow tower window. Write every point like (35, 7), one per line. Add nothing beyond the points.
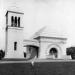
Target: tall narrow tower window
(12, 21)
(15, 46)
(18, 21)
(15, 21)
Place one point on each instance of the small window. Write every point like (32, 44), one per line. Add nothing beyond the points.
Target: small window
(15, 45)
(12, 21)
(18, 21)
(24, 54)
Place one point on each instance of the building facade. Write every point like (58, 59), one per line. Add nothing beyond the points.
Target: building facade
(14, 35)
(41, 46)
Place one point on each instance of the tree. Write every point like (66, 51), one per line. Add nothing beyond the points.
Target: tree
(2, 54)
(71, 51)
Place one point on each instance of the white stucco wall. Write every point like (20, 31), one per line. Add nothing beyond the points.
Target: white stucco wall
(14, 35)
(15, 15)
(46, 44)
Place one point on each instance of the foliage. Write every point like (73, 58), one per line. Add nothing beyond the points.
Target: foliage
(71, 51)
(2, 54)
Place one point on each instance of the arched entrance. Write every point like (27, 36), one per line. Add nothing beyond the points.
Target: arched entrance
(53, 52)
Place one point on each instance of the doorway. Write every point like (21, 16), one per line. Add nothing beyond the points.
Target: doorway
(53, 52)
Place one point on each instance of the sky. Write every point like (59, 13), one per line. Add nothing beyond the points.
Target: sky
(40, 13)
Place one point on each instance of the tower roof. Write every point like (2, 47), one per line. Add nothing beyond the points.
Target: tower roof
(13, 12)
(14, 9)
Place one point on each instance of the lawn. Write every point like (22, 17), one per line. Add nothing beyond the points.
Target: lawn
(39, 68)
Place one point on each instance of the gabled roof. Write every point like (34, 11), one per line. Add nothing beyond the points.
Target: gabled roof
(31, 42)
(13, 12)
(14, 9)
(51, 32)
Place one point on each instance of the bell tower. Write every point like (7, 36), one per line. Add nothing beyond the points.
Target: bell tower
(14, 34)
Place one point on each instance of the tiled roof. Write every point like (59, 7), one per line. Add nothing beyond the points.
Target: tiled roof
(51, 32)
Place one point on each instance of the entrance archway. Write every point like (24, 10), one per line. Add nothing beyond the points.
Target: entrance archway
(53, 52)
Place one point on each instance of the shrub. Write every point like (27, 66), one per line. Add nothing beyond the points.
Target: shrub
(71, 51)
(2, 54)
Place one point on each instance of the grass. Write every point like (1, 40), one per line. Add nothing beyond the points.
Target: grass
(40, 67)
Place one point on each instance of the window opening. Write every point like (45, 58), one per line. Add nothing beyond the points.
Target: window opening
(15, 21)
(18, 21)
(15, 45)
(12, 21)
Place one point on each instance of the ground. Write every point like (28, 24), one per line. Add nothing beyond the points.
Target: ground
(41, 67)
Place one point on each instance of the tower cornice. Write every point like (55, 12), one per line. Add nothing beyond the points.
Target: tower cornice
(13, 12)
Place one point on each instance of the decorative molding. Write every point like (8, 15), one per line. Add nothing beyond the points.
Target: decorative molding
(63, 42)
(53, 46)
(13, 12)
(17, 28)
(30, 40)
(59, 38)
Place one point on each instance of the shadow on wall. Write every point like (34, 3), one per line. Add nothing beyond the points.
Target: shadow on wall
(32, 52)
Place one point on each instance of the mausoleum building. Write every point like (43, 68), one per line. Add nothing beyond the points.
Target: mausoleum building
(45, 44)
